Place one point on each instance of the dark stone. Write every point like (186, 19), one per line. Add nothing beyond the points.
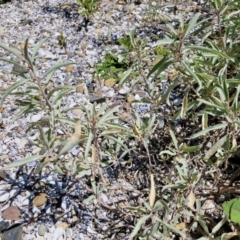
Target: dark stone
(97, 99)
(13, 234)
(3, 225)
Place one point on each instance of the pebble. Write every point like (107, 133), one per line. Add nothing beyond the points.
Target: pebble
(36, 117)
(177, 102)
(13, 234)
(42, 229)
(14, 107)
(5, 78)
(4, 196)
(4, 225)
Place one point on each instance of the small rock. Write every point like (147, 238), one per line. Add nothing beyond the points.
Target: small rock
(21, 143)
(79, 53)
(13, 234)
(91, 231)
(40, 199)
(14, 107)
(39, 19)
(69, 68)
(110, 82)
(67, 77)
(80, 89)
(36, 117)
(11, 213)
(142, 108)
(58, 81)
(5, 78)
(75, 151)
(97, 99)
(3, 225)
(109, 93)
(69, 233)
(62, 225)
(177, 102)
(58, 232)
(42, 229)
(40, 238)
(124, 90)
(130, 98)
(4, 197)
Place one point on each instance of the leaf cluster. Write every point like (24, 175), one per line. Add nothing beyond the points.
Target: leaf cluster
(88, 7)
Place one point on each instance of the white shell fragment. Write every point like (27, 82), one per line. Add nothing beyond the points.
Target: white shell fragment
(4, 196)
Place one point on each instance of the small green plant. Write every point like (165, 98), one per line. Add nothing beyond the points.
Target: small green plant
(62, 40)
(4, 1)
(161, 51)
(112, 67)
(126, 40)
(88, 7)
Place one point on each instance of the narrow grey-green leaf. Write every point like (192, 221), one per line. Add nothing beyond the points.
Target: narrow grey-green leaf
(150, 123)
(12, 50)
(181, 20)
(175, 141)
(157, 206)
(69, 145)
(125, 76)
(204, 121)
(225, 89)
(21, 113)
(172, 228)
(131, 36)
(88, 145)
(220, 224)
(13, 62)
(43, 135)
(66, 120)
(215, 147)
(215, 127)
(37, 47)
(57, 66)
(58, 88)
(107, 115)
(211, 51)
(189, 149)
(207, 103)
(184, 106)
(164, 41)
(169, 90)
(117, 141)
(26, 54)
(192, 24)
(167, 152)
(160, 66)
(203, 224)
(60, 95)
(11, 88)
(172, 29)
(24, 161)
(138, 226)
(193, 74)
(218, 103)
